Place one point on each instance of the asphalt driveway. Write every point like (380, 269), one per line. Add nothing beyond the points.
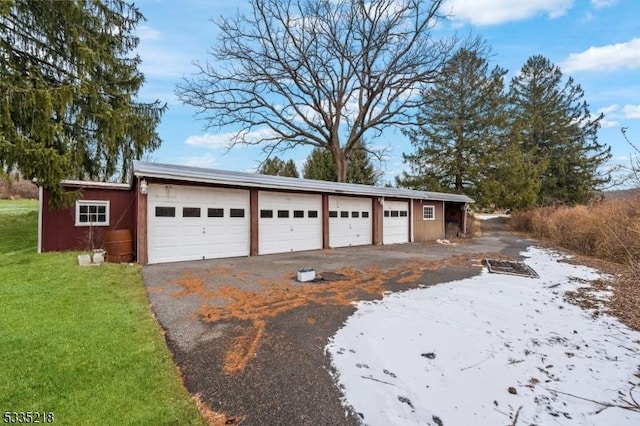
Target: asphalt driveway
(250, 340)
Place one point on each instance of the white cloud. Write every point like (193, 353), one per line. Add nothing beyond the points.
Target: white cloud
(145, 32)
(224, 140)
(610, 114)
(607, 58)
(211, 140)
(492, 12)
(163, 57)
(206, 160)
(631, 112)
(607, 124)
(588, 17)
(609, 109)
(158, 61)
(599, 4)
(614, 113)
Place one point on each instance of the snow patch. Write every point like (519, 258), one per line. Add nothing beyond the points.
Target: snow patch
(480, 350)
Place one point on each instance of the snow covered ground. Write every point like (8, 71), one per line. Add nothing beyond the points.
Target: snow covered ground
(482, 350)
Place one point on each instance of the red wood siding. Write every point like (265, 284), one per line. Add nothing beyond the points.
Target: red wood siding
(141, 224)
(59, 232)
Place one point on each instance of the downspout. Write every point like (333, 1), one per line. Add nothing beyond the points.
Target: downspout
(444, 223)
(411, 215)
(464, 219)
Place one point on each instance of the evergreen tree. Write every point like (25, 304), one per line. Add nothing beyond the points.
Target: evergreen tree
(276, 167)
(512, 177)
(290, 169)
(554, 123)
(320, 165)
(460, 124)
(68, 84)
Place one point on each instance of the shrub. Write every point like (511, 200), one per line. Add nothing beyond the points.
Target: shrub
(609, 230)
(12, 188)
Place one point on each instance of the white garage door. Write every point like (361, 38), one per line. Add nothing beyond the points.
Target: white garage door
(395, 228)
(350, 221)
(289, 222)
(192, 223)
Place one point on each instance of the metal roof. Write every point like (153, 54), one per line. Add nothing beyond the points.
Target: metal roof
(94, 184)
(255, 180)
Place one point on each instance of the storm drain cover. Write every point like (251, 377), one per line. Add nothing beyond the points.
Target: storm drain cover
(510, 267)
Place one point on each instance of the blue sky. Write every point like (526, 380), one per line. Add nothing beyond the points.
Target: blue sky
(597, 42)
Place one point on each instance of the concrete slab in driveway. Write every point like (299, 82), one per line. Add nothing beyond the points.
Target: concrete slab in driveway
(249, 338)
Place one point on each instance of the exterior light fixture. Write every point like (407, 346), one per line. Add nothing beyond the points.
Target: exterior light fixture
(144, 187)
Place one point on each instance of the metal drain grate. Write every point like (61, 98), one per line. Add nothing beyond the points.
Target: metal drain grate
(510, 267)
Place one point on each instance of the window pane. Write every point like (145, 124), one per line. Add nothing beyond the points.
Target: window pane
(403, 213)
(236, 213)
(365, 215)
(344, 214)
(191, 212)
(92, 212)
(266, 214)
(215, 212)
(312, 213)
(386, 213)
(333, 213)
(298, 213)
(428, 213)
(355, 214)
(394, 213)
(165, 212)
(283, 213)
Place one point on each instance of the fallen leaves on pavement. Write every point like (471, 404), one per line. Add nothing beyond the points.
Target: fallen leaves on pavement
(272, 297)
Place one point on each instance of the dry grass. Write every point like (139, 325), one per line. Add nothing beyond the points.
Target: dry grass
(609, 230)
(606, 235)
(474, 227)
(11, 188)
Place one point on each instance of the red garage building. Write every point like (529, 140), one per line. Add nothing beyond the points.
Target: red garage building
(176, 213)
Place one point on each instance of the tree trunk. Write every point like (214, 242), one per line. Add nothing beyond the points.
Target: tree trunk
(341, 165)
(459, 184)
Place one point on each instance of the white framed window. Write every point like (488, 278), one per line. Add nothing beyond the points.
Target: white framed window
(92, 213)
(428, 212)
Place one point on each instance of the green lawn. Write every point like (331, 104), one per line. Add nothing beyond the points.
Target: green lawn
(79, 341)
(18, 206)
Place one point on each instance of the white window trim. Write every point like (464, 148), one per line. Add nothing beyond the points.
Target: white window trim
(105, 203)
(433, 212)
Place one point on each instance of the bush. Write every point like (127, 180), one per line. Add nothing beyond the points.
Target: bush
(473, 225)
(17, 188)
(609, 230)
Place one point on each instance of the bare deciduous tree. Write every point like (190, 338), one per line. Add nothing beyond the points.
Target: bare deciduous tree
(325, 73)
(633, 170)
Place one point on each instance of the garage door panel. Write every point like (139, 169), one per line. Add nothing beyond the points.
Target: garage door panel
(395, 222)
(180, 226)
(351, 221)
(285, 225)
